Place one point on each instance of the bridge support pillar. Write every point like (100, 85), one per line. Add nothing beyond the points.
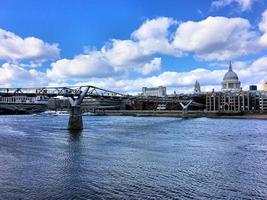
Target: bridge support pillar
(184, 113)
(75, 119)
(185, 109)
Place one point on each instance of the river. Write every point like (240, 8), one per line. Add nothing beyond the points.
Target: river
(132, 158)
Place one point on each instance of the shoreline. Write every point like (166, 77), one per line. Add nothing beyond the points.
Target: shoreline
(171, 113)
(190, 114)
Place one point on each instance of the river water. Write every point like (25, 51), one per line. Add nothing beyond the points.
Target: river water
(132, 158)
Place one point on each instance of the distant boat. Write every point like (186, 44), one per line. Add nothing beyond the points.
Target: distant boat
(55, 113)
(92, 114)
(49, 112)
(62, 113)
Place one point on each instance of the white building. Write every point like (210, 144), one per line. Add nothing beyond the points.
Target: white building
(156, 92)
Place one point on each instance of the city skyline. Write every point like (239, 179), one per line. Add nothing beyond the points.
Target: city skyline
(132, 44)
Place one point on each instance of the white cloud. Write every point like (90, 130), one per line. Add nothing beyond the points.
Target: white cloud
(16, 76)
(260, 66)
(249, 73)
(183, 82)
(13, 47)
(263, 28)
(243, 5)
(152, 66)
(123, 53)
(212, 39)
(93, 64)
(216, 38)
(155, 29)
(154, 36)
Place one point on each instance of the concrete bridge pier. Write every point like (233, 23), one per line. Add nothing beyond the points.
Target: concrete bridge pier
(75, 119)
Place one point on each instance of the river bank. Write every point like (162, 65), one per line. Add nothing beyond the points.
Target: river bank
(189, 114)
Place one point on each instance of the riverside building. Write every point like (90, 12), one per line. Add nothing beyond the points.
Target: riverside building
(232, 99)
(263, 101)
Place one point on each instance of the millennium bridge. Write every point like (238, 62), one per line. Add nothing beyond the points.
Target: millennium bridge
(75, 96)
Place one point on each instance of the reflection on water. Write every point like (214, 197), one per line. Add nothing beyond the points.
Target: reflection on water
(132, 158)
(75, 134)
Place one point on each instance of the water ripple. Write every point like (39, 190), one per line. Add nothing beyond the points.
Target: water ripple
(132, 158)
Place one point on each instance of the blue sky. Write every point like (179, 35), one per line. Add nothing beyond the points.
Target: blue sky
(124, 45)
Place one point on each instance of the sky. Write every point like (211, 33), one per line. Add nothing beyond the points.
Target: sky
(124, 45)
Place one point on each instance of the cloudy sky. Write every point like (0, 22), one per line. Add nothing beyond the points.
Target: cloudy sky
(123, 45)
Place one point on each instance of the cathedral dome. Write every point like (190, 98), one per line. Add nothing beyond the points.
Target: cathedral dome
(230, 75)
(230, 80)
